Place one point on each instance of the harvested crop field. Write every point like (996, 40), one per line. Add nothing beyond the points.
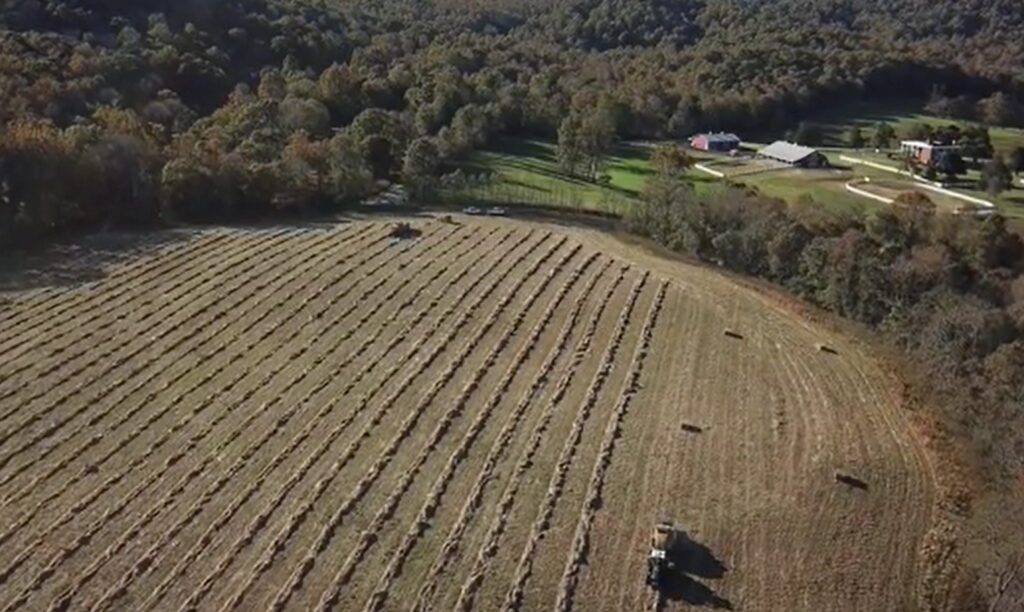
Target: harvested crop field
(490, 415)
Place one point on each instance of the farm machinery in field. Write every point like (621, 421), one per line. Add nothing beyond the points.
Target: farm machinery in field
(665, 540)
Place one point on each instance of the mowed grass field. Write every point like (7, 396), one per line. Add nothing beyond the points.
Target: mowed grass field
(486, 417)
(527, 172)
(836, 122)
(825, 188)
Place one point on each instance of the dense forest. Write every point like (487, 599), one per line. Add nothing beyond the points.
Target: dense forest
(153, 111)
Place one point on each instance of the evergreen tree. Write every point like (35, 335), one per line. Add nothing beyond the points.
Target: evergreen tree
(855, 138)
(951, 165)
(808, 134)
(998, 109)
(920, 131)
(597, 136)
(419, 169)
(976, 143)
(1017, 160)
(996, 176)
(570, 150)
(883, 136)
(670, 160)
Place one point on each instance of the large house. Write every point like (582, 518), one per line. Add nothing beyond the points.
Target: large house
(925, 152)
(720, 142)
(794, 155)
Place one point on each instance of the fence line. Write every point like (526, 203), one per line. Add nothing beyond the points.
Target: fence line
(929, 185)
(714, 173)
(867, 194)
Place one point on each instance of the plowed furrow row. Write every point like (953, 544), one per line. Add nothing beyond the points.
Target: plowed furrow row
(430, 505)
(85, 536)
(28, 317)
(148, 561)
(195, 440)
(592, 501)
(237, 310)
(486, 552)
(227, 315)
(368, 536)
(327, 531)
(106, 357)
(451, 544)
(643, 487)
(338, 429)
(514, 597)
(180, 285)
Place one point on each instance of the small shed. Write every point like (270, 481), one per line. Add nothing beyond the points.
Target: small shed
(720, 142)
(794, 155)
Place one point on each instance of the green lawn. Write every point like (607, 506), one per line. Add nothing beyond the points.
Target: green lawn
(824, 187)
(836, 122)
(1010, 202)
(527, 172)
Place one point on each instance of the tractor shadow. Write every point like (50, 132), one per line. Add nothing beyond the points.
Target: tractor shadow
(692, 561)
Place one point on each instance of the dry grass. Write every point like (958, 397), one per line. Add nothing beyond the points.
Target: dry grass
(489, 414)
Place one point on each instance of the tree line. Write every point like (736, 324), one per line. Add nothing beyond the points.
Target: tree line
(157, 111)
(947, 288)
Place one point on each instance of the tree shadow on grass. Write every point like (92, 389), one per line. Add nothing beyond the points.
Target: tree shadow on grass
(635, 170)
(527, 148)
(525, 185)
(549, 173)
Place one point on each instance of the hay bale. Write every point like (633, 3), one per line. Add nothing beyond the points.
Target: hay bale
(850, 480)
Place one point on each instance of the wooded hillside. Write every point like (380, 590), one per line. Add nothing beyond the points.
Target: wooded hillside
(159, 110)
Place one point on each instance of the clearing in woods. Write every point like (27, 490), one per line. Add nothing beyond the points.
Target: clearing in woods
(489, 416)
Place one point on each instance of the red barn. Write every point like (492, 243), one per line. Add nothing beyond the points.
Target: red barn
(720, 142)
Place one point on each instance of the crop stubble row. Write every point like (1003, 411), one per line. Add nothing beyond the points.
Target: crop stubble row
(316, 433)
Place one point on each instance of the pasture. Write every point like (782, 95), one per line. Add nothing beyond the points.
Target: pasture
(527, 172)
(866, 114)
(490, 415)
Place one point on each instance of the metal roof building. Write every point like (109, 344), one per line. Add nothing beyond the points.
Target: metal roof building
(715, 142)
(794, 154)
